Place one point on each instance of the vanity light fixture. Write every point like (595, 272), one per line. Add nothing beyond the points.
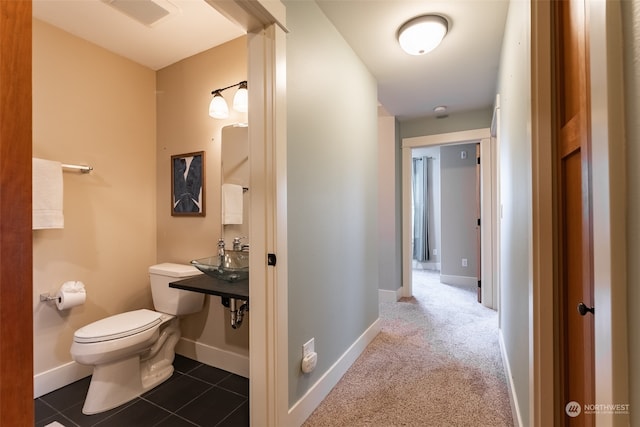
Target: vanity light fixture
(422, 34)
(218, 108)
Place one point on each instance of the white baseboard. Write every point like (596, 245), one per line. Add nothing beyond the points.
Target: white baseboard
(513, 397)
(213, 356)
(385, 295)
(430, 266)
(63, 375)
(301, 410)
(459, 280)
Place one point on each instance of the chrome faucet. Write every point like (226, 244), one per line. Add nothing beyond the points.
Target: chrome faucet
(221, 251)
(239, 246)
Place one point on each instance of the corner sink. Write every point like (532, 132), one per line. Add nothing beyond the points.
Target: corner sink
(234, 268)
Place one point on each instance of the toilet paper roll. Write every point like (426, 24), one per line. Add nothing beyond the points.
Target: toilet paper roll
(67, 300)
(71, 294)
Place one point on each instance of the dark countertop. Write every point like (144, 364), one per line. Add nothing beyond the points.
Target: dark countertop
(212, 286)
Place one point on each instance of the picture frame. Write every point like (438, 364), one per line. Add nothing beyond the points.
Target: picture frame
(188, 184)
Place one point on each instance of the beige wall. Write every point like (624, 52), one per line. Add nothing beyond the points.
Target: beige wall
(91, 106)
(184, 126)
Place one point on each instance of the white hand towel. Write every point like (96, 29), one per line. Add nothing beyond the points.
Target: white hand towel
(231, 204)
(47, 194)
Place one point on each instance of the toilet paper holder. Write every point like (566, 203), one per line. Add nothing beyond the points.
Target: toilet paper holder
(71, 294)
(47, 297)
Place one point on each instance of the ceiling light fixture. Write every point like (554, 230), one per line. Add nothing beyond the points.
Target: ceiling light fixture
(422, 34)
(218, 108)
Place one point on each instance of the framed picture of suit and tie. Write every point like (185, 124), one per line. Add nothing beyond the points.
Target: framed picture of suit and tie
(188, 184)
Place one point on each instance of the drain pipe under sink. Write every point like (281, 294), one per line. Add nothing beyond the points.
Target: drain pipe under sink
(237, 309)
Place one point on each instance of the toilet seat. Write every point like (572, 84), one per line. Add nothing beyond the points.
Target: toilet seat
(118, 326)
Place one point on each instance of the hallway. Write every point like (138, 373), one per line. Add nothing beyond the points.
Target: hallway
(436, 358)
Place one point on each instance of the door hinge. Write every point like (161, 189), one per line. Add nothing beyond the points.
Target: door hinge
(478, 159)
(478, 222)
(271, 259)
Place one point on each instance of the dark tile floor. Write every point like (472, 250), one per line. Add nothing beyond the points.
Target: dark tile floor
(196, 395)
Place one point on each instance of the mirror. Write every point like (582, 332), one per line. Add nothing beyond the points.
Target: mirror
(235, 184)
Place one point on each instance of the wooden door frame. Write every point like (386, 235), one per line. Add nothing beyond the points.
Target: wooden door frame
(265, 23)
(488, 190)
(16, 246)
(268, 361)
(609, 206)
(479, 215)
(609, 237)
(268, 334)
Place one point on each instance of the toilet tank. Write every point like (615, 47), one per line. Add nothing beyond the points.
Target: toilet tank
(170, 300)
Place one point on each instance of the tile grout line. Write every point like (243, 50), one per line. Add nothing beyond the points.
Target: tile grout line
(233, 411)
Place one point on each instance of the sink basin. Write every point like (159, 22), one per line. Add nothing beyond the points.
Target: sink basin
(234, 268)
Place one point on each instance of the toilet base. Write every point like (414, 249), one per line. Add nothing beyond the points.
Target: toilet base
(114, 384)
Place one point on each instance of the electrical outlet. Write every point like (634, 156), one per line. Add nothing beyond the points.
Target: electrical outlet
(464, 262)
(308, 347)
(435, 252)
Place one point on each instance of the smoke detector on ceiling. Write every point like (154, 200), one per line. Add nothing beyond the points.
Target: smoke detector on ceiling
(146, 12)
(441, 112)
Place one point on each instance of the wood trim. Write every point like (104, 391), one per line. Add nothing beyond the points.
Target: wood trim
(252, 15)
(269, 340)
(265, 23)
(16, 253)
(609, 207)
(488, 224)
(479, 253)
(541, 334)
(407, 231)
(447, 138)
(483, 136)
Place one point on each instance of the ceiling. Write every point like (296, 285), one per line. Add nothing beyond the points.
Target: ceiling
(460, 74)
(192, 26)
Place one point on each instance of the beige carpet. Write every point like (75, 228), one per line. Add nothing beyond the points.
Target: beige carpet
(436, 362)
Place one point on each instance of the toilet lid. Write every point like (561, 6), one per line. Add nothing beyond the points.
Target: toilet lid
(118, 326)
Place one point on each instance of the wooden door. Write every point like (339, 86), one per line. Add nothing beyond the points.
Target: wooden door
(574, 190)
(16, 314)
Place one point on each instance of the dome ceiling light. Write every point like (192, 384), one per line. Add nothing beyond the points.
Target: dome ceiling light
(422, 34)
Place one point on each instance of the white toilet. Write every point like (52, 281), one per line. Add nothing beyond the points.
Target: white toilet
(133, 352)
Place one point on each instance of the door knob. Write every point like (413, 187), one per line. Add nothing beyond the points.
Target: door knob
(583, 309)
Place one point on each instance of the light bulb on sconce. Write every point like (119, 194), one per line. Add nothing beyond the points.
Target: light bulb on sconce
(241, 98)
(218, 108)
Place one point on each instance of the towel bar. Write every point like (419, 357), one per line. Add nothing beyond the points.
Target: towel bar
(81, 168)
